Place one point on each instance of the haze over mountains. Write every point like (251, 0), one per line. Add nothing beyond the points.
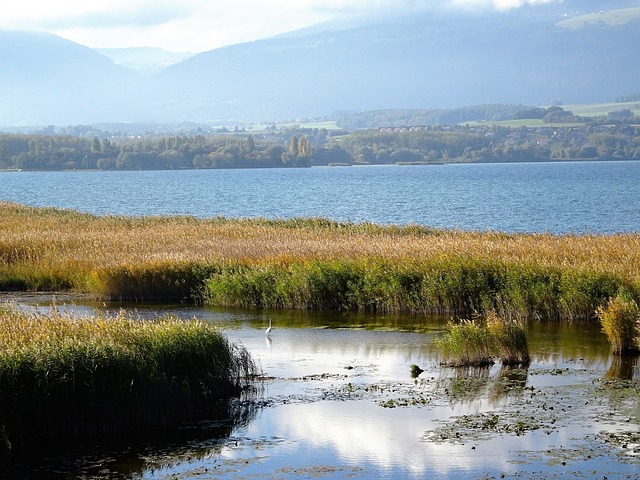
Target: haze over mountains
(572, 52)
(144, 60)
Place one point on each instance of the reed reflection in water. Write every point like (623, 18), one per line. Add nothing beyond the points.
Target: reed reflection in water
(144, 455)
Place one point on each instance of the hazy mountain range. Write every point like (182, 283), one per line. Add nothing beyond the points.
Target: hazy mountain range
(572, 52)
(144, 60)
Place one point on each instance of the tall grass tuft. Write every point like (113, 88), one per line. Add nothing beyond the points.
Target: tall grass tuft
(477, 342)
(467, 343)
(509, 339)
(68, 379)
(620, 321)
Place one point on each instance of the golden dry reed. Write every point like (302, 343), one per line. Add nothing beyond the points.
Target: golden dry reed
(66, 378)
(620, 321)
(315, 263)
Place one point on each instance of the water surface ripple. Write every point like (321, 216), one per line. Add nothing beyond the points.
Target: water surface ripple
(595, 197)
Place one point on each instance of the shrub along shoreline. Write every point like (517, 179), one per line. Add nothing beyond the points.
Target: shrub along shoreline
(316, 264)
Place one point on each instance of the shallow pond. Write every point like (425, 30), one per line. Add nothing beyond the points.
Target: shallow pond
(337, 400)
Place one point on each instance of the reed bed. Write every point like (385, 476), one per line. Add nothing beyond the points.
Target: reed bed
(315, 263)
(620, 321)
(466, 343)
(460, 286)
(69, 379)
(479, 341)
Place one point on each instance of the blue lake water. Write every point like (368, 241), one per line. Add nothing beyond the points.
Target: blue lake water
(596, 197)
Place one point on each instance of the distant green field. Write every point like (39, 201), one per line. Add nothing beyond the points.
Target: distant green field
(329, 125)
(597, 109)
(583, 110)
(610, 18)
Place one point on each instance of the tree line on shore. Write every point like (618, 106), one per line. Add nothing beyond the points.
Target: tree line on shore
(302, 147)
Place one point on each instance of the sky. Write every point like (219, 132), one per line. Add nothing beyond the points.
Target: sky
(201, 25)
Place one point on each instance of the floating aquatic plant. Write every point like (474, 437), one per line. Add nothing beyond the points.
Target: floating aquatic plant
(415, 370)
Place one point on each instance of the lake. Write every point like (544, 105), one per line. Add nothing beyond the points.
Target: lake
(595, 197)
(337, 399)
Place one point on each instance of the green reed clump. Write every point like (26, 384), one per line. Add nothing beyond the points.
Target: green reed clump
(68, 379)
(509, 340)
(467, 342)
(459, 286)
(477, 342)
(620, 321)
(309, 285)
(583, 292)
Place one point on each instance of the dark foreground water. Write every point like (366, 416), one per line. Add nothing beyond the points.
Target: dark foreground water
(337, 400)
(535, 197)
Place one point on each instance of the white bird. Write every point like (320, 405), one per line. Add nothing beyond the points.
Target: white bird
(268, 331)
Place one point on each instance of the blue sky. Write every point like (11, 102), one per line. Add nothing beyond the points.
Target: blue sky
(199, 25)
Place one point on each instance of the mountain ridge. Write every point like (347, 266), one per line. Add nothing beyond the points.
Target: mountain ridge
(526, 56)
(44, 78)
(438, 62)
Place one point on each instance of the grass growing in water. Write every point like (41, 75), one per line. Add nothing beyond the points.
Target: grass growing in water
(315, 263)
(509, 340)
(477, 342)
(620, 320)
(460, 285)
(68, 379)
(467, 343)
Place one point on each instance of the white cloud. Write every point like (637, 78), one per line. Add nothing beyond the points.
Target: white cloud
(175, 24)
(198, 25)
(498, 4)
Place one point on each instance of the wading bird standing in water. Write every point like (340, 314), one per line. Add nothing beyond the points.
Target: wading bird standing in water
(268, 330)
